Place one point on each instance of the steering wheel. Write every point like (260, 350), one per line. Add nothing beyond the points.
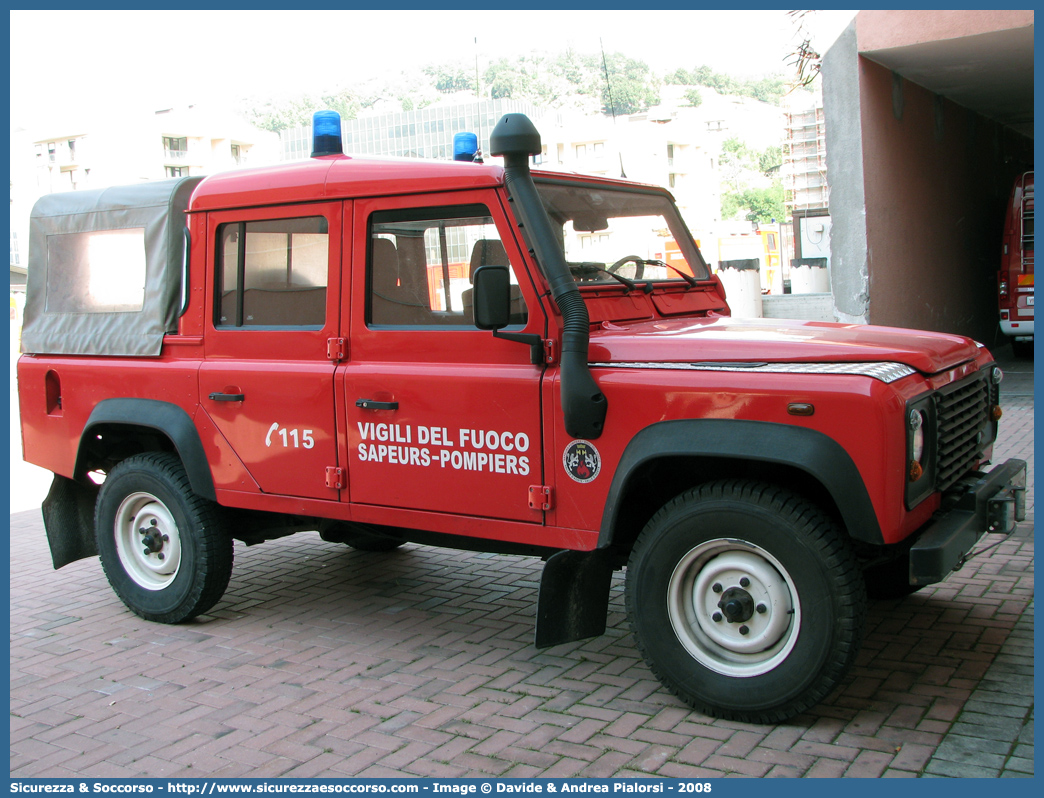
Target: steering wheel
(639, 265)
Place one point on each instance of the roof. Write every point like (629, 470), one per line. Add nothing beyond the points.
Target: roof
(348, 177)
(63, 315)
(338, 177)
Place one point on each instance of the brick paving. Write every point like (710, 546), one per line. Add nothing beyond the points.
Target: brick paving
(322, 661)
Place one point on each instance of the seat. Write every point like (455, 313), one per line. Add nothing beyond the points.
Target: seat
(487, 252)
(491, 252)
(396, 297)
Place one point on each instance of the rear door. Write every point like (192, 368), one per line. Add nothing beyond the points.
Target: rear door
(267, 379)
(442, 417)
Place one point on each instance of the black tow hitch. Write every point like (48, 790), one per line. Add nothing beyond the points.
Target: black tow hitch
(993, 502)
(1006, 509)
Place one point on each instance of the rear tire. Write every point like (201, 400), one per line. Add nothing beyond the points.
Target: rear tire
(746, 601)
(164, 549)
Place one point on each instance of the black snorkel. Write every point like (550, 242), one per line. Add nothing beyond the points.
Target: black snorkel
(583, 404)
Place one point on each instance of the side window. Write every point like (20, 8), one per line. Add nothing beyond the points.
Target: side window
(421, 262)
(99, 272)
(272, 273)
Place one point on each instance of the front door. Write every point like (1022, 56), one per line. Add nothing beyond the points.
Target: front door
(442, 416)
(267, 381)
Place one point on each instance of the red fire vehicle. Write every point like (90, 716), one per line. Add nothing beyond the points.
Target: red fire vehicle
(1015, 278)
(275, 350)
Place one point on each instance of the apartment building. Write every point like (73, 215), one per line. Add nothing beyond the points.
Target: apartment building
(122, 148)
(172, 142)
(663, 147)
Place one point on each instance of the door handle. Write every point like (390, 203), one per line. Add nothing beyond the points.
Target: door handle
(228, 397)
(371, 404)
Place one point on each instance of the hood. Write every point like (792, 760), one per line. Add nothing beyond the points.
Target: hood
(729, 340)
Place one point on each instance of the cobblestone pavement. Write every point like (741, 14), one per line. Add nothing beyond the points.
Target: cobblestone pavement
(324, 661)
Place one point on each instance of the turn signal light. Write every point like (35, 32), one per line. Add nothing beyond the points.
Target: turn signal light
(996, 412)
(916, 472)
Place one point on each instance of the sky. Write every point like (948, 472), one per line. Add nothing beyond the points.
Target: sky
(156, 59)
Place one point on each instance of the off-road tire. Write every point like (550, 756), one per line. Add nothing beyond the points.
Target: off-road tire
(151, 492)
(705, 543)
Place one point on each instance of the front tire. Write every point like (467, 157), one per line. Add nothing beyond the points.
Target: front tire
(745, 600)
(164, 549)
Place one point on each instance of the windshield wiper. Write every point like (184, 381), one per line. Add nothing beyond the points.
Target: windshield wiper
(584, 269)
(692, 281)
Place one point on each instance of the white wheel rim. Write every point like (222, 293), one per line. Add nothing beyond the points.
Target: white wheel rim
(734, 607)
(147, 541)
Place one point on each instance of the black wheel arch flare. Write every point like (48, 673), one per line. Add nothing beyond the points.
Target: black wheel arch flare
(163, 417)
(818, 455)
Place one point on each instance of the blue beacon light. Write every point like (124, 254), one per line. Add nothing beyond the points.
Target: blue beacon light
(465, 145)
(326, 134)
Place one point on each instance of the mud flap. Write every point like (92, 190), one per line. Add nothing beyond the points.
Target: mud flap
(68, 514)
(574, 597)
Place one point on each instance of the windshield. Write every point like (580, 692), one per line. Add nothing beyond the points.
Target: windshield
(633, 234)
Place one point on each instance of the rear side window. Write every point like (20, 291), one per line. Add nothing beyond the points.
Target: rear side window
(272, 273)
(96, 272)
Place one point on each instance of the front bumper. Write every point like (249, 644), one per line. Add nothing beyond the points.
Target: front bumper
(993, 502)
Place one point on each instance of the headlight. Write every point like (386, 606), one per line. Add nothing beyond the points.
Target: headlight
(921, 449)
(916, 436)
(916, 422)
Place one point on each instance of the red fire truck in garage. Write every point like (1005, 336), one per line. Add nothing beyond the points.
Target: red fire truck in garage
(1015, 278)
(267, 351)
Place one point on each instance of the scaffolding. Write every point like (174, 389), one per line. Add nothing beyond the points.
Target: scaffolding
(804, 162)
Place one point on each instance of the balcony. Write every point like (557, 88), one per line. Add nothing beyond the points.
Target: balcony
(175, 155)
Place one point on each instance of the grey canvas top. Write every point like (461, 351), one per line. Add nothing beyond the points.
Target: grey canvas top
(61, 316)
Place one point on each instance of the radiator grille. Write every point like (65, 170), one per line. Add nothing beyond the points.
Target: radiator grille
(962, 411)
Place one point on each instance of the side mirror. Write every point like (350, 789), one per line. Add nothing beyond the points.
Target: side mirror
(492, 297)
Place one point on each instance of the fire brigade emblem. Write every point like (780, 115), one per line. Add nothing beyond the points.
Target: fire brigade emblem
(582, 461)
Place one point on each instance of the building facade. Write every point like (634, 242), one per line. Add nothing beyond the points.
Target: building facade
(422, 133)
(122, 148)
(929, 119)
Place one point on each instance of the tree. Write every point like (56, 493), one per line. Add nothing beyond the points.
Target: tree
(680, 77)
(768, 89)
(769, 159)
(345, 102)
(450, 78)
(694, 97)
(743, 173)
(755, 204)
(509, 79)
(283, 115)
(628, 86)
(805, 59)
(734, 160)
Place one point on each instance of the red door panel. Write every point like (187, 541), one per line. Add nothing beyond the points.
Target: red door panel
(441, 416)
(267, 381)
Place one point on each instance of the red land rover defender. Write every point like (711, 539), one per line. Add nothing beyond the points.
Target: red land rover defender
(477, 356)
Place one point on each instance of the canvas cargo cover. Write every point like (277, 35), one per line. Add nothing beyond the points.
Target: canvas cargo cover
(105, 269)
